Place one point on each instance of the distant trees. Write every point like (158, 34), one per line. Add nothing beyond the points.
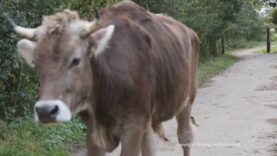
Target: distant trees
(237, 20)
(274, 16)
(272, 3)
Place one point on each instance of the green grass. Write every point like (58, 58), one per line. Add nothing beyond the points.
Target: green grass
(253, 44)
(273, 45)
(27, 138)
(264, 51)
(214, 66)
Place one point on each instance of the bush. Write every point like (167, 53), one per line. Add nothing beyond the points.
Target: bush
(274, 16)
(18, 83)
(23, 137)
(87, 8)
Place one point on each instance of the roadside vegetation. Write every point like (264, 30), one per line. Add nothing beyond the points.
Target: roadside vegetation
(263, 49)
(24, 137)
(236, 21)
(214, 66)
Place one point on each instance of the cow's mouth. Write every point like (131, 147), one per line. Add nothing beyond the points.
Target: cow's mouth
(52, 111)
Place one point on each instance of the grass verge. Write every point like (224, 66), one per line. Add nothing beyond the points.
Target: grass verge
(253, 44)
(214, 66)
(26, 138)
(264, 51)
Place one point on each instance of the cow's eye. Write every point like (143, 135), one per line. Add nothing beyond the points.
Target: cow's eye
(75, 62)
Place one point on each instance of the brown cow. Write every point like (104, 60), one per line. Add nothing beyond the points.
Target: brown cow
(124, 73)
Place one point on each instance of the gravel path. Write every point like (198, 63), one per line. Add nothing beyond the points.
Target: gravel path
(239, 108)
(236, 111)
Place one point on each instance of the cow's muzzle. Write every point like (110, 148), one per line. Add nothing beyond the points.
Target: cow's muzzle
(52, 111)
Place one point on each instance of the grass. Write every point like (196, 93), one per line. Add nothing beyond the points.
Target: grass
(27, 138)
(253, 44)
(264, 51)
(273, 45)
(214, 66)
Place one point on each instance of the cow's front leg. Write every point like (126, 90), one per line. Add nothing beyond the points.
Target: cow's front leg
(94, 150)
(148, 144)
(131, 138)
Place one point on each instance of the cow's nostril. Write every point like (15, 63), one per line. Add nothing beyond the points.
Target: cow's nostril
(55, 110)
(37, 109)
(47, 113)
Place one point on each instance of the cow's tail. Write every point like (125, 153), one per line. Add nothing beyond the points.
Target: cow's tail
(193, 121)
(159, 130)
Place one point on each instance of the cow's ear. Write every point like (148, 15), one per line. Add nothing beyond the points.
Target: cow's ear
(26, 50)
(101, 39)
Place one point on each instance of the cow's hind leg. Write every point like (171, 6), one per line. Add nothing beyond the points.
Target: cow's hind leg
(185, 129)
(148, 144)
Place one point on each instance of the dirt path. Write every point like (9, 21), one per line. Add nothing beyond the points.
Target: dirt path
(239, 108)
(236, 111)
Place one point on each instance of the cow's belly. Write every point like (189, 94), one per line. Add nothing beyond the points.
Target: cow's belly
(166, 111)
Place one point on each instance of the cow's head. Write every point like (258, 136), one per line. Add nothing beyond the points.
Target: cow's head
(61, 50)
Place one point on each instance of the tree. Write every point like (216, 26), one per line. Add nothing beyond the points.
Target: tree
(18, 87)
(272, 3)
(87, 8)
(274, 16)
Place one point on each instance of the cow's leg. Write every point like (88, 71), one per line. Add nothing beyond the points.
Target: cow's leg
(95, 151)
(148, 144)
(92, 149)
(185, 129)
(131, 138)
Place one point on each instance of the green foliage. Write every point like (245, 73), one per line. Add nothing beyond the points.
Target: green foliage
(247, 24)
(18, 87)
(86, 9)
(264, 50)
(274, 16)
(26, 138)
(214, 66)
(212, 19)
(272, 3)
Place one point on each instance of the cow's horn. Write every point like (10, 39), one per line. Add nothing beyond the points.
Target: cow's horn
(24, 32)
(97, 16)
(91, 26)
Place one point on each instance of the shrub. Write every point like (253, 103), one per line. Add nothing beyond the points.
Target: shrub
(18, 83)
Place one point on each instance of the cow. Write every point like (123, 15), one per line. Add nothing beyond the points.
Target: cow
(124, 71)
